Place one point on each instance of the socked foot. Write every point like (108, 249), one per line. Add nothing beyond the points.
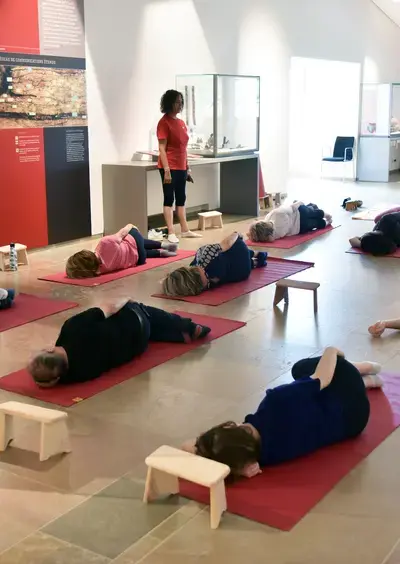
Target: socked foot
(165, 253)
(198, 332)
(367, 368)
(372, 381)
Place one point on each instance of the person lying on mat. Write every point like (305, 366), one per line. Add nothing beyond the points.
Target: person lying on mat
(101, 338)
(325, 404)
(378, 328)
(125, 249)
(384, 239)
(285, 221)
(6, 298)
(214, 265)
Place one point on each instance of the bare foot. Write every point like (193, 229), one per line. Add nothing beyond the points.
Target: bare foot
(372, 381)
(377, 329)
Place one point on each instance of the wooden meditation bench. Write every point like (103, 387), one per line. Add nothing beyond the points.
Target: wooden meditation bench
(167, 464)
(22, 255)
(282, 290)
(54, 438)
(213, 218)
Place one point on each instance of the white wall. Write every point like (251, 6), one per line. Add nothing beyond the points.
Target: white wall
(136, 47)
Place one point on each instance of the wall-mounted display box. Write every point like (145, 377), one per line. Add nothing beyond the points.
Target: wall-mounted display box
(379, 144)
(222, 113)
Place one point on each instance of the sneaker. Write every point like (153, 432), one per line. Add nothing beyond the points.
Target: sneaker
(172, 238)
(190, 235)
(155, 235)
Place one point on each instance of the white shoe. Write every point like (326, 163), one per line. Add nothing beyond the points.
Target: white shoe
(191, 235)
(172, 238)
(155, 235)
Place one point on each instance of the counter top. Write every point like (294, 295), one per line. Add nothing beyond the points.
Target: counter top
(150, 165)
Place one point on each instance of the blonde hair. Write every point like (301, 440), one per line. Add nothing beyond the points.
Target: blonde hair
(84, 264)
(261, 231)
(47, 368)
(185, 281)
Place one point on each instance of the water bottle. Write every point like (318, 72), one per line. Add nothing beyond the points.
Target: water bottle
(13, 257)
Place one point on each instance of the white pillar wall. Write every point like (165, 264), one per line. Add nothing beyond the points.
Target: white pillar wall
(135, 48)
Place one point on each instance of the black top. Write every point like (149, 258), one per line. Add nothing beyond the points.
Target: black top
(389, 224)
(95, 344)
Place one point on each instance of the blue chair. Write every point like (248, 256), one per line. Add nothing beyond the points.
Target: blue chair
(343, 152)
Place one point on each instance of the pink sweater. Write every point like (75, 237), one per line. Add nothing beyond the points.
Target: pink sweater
(392, 210)
(116, 254)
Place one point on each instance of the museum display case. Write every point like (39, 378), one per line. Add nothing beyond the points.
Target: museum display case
(379, 144)
(222, 113)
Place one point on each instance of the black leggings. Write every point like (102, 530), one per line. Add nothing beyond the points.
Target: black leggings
(146, 248)
(347, 386)
(176, 189)
(311, 217)
(162, 326)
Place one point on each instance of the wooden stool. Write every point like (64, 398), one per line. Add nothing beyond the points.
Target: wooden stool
(22, 255)
(54, 438)
(212, 218)
(265, 202)
(167, 464)
(282, 290)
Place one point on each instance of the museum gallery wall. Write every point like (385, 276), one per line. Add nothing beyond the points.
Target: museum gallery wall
(44, 185)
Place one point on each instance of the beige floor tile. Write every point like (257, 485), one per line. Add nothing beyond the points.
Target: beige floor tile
(330, 539)
(44, 549)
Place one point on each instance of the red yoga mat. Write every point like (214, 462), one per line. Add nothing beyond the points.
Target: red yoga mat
(28, 308)
(275, 270)
(360, 252)
(293, 240)
(61, 277)
(21, 382)
(282, 495)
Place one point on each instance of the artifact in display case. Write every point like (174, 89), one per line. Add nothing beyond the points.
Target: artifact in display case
(380, 110)
(222, 113)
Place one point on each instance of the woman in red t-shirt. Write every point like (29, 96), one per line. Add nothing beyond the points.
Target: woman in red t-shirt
(173, 165)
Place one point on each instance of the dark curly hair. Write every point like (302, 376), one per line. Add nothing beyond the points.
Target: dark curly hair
(229, 444)
(377, 244)
(168, 100)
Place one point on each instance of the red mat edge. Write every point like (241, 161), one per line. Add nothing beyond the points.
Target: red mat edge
(282, 246)
(71, 403)
(353, 251)
(119, 274)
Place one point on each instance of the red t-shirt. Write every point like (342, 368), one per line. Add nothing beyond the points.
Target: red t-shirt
(174, 131)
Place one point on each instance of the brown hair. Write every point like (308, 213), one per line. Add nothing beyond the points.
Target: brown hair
(261, 231)
(84, 264)
(184, 281)
(47, 368)
(230, 444)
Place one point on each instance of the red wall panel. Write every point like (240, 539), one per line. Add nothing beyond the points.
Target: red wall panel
(23, 188)
(19, 26)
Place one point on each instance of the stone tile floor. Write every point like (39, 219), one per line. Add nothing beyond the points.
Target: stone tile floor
(86, 507)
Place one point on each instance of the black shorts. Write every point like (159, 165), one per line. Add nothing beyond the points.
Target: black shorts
(347, 385)
(176, 190)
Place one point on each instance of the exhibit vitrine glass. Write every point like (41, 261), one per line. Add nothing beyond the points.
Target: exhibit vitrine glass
(380, 110)
(222, 113)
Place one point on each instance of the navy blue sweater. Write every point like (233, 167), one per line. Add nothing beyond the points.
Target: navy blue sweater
(296, 419)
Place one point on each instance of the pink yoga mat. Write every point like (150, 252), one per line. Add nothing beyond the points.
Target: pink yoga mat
(27, 308)
(360, 252)
(282, 495)
(275, 270)
(61, 278)
(21, 382)
(294, 240)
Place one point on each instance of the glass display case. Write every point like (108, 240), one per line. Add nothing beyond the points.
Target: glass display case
(222, 113)
(380, 110)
